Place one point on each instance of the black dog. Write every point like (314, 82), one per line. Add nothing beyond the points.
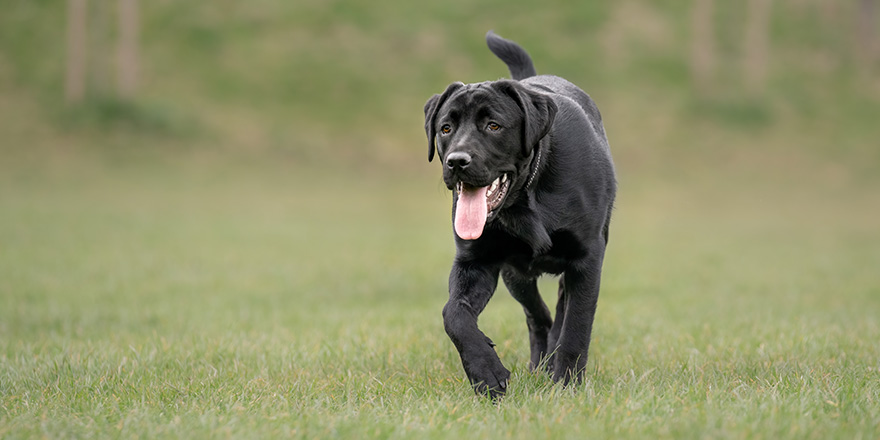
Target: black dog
(533, 186)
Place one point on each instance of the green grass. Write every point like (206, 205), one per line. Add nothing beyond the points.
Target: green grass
(200, 300)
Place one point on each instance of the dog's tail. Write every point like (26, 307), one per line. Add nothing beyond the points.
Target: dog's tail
(516, 58)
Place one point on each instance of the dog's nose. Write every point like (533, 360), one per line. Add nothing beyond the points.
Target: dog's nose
(458, 160)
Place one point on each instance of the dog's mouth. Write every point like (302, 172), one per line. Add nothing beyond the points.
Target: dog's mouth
(476, 204)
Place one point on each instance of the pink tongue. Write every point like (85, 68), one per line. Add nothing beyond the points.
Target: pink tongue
(470, 213)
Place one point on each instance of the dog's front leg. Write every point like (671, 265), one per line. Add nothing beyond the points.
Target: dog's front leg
(470, 288)
(579, 293)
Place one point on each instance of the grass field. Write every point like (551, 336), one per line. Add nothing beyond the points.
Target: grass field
(250, 300)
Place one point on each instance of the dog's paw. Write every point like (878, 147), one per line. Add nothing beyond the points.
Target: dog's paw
(488, 377)
(568, 367)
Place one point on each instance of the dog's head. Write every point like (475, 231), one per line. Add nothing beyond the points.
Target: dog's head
(485, 135)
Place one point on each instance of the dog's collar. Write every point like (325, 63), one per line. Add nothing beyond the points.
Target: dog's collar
(535, 166)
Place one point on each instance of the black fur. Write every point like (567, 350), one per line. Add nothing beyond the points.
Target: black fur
(554, 218)
(517, 59)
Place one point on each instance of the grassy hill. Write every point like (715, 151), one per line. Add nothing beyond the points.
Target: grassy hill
(317, 79)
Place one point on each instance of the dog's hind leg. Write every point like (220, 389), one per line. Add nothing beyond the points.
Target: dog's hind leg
(578, 299)
(525, 290)
(553, 335)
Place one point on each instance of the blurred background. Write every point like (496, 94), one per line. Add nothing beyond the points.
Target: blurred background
(222, 143)
(341, 83)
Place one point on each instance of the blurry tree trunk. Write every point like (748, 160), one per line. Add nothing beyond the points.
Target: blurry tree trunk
(100, 63)
(702, 44)
(127, 49)
(77, 41)
(830, 10)
(867, 44)
(757, 45)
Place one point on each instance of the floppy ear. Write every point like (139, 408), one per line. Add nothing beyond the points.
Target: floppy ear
(431, 108)
(539, 112)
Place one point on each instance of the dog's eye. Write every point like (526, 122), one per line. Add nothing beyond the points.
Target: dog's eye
(446, 129)
(493, 126)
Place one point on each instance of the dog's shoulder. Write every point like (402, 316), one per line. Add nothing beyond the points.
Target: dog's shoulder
(562, 89)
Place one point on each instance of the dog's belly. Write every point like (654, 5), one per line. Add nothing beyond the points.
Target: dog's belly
(539, 265)
(565, 249)
(548, 264)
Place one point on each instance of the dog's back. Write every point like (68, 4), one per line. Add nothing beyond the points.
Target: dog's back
(523, 69)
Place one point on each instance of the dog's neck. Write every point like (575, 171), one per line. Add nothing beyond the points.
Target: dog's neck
(522, 220)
